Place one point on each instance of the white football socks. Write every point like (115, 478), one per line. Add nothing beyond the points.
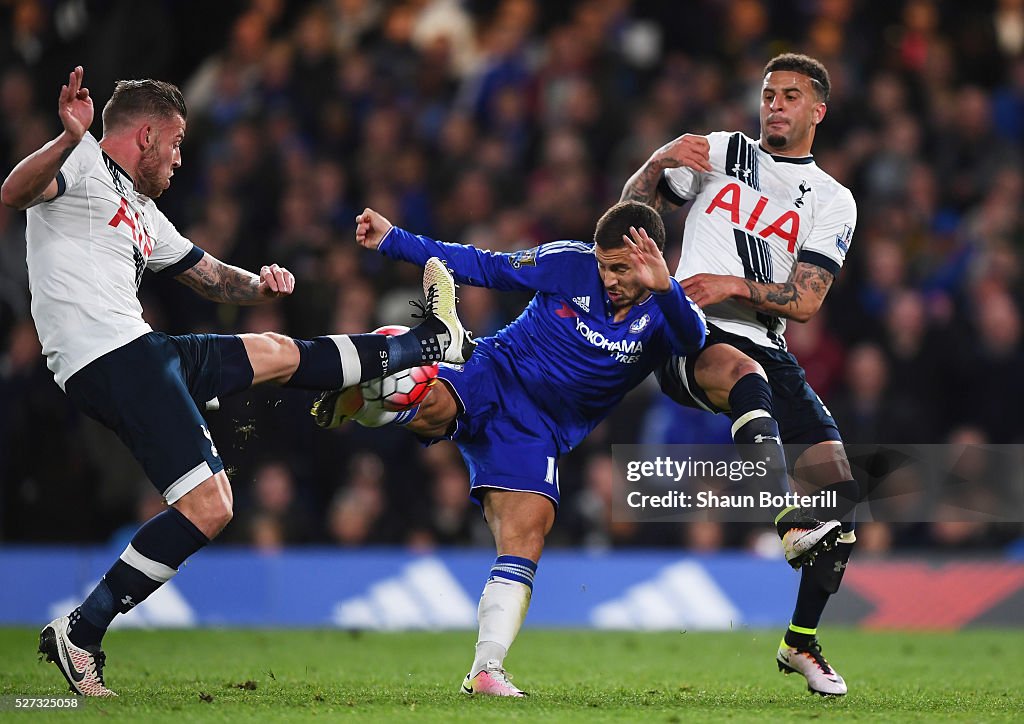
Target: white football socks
(503, 606)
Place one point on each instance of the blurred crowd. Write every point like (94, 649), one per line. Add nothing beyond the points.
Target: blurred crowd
(504, 124)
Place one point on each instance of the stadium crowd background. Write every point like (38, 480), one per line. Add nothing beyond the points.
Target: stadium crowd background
(505, 124)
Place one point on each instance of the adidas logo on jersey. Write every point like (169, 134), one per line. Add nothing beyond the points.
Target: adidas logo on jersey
(582, 302)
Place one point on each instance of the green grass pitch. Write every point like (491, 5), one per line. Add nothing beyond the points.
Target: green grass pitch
(303, 675)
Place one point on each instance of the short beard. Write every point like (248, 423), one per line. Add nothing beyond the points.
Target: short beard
(777, 140)
(147, 170)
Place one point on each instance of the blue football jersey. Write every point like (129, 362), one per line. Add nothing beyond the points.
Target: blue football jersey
(572, 360)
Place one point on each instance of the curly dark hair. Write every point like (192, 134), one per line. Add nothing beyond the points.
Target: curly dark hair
(805, 65)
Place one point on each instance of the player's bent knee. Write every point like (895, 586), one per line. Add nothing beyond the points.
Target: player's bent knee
(744, 367)
(209, 506)
(720, 367)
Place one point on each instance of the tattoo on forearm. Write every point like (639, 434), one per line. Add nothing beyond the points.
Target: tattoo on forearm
(220, 282)
(807, 280)
(783, 294)
(755, 293)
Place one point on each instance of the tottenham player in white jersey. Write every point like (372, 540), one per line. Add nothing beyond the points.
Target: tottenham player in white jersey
(766, 235)
(92, 229)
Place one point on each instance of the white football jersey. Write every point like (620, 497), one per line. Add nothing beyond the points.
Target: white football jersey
(86, 252)
(755, 216)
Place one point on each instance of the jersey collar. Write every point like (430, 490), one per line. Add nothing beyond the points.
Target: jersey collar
(787, 159)
(117, 172)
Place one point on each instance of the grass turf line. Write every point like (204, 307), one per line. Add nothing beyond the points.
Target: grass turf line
(303, 675)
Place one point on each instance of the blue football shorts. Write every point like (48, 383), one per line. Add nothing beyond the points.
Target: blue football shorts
(507, 443)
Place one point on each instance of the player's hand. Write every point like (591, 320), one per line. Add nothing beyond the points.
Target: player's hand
(75, 106)
(371, 228)
(690, 151)
(652, 271)
(276, 281)
(708, 289)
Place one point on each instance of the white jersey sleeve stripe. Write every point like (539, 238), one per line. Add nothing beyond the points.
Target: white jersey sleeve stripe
(557, 247)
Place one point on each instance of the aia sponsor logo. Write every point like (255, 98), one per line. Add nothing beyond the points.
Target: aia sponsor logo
(786, 226)
(136, 226)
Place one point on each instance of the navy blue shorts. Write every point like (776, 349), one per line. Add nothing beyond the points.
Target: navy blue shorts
(506, 442)
(150, 392)
(803, 418)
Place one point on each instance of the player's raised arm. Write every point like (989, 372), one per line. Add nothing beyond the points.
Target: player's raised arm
(371, 228)
(652, 271)
(687, 327)
(220, 282)
(34, 179)
(519, 270)
(687, 151)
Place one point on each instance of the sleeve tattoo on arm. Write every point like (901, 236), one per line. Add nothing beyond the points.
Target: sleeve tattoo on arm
(781, 294)
(645, 189)
(807, 280)
(813, 278)
(220, 282)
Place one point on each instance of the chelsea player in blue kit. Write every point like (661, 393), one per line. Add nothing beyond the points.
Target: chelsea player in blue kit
(606, 314)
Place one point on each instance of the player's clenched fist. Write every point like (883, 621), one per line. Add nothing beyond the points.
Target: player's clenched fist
(371, 228)
(688, 150)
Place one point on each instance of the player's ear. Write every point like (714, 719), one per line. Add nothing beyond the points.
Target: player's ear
(819, 113)
(144, 136)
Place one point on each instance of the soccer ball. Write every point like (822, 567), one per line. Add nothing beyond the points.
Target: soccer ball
(401, 390)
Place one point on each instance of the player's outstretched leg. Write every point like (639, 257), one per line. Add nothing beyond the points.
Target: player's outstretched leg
(807, 660)
(448, 339)
(338, 362)
(82, 667)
